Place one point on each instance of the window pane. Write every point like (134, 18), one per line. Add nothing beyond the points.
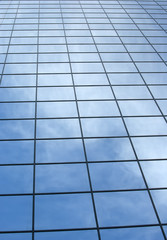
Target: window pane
(59, 151)
(124, 208)
(64, 211)
(16, 213)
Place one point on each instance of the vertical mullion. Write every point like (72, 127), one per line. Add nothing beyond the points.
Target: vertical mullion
(35, 128)
(82, 137)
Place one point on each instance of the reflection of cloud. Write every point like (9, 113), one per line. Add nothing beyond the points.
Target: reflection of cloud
(109, 149)
(16, 212)
(150, 147)
(98, 108)
(88, 93)
(146, 126)
(19, 80)
(70, 235)
(138, 107)
(109, 176)
(10, 179)
(160, 200)
(58, 128)
(16, 129)
(17, 110)
(64, 211)
(70, 150)
(56, 109)
(16, 236)
(144, 233)
(99, 127)
(131, 92)
(119, 208)
(56, 93)
(155, 173)
(16, 151)
(17, 94)
(59, 178)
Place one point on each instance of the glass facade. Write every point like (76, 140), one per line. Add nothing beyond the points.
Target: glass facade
(83, 127)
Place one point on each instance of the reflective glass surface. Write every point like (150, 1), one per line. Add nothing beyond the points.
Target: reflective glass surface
(83, 120)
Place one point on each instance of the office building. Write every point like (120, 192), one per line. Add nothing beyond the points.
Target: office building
(83, 128)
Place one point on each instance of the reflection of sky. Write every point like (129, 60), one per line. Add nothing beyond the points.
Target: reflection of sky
(78, 235)
(99, 127)
(62, 178)
(124, 208)
(58, 128)
(150, 147)
(148, 233)
(16, 129)
(16, 236)
(16, 151)
(10, 177)
(160, 200)
(109, 149)
(64, 211)
(59, 151)
(73, 155)
(111, 176)
(155, 173)
(16, 212)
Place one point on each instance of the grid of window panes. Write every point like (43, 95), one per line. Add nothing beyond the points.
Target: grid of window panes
(83, 128)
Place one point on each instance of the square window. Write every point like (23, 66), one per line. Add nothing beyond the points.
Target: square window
(115, 176)
(58, 128)
(108, 149)
(98, 108)
(16, 213)
(124, 208)
(62, 178)
(64, 211)
(103, 127)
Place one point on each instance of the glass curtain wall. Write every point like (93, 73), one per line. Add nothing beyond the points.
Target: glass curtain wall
(83, 127)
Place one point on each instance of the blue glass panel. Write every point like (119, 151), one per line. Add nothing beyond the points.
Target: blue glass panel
(58, 128)
(98, 108)
(88, 93)
(146, 126)
(128, 78)
(155, 173)
(160, 200)
(53, 68)
(17, 110)
(90, 79)
(136, 108)
(53, 93)
(54, 79)
(163, 106)
(62, 178)
(16, 179)
(59, 151)
(79, 235)
(17, 94)
(19, 80)
(150, 147)
(109, 149)
(139, 233)
(124, 208)
(131, 92)
(56, 109)
(16, 236)
(103, 127)
(15, 213)
(16, 129)
(16, 151)
(64, 211)
(111, 176)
